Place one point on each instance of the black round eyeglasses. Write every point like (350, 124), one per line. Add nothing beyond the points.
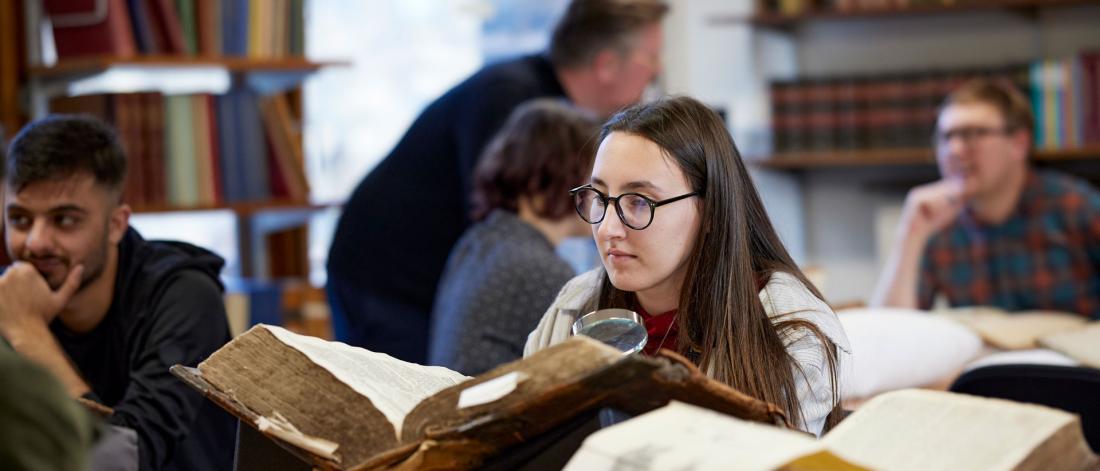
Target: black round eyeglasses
(634, 210)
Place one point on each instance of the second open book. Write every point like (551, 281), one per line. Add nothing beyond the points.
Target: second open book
(1070, 334)
(917, 430)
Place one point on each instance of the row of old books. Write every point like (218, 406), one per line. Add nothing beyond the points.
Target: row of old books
(250, 28)
(189, 151)
(803, 7)
(900, 110)
(1065, 97)
(862, 113)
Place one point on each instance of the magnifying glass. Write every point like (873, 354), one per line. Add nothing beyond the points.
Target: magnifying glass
(622, 329)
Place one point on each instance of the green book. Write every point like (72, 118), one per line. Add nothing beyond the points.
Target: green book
(186, 10)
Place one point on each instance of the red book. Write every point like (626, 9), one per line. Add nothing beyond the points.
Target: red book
(1090, 101)
(215, 152)
(169, 27)
(81, 29)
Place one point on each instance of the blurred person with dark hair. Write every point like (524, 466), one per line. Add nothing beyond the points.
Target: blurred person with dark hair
(402, 220)
(503, 273)
(103, 310)
(993, 231)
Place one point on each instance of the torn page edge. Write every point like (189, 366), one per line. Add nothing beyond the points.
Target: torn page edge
(491, 390)
(279, 426)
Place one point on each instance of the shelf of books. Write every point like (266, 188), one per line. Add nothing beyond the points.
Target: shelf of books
(99, 64)
(787, 14)
(889, 119)
(201, 150)
(885, 158)
(206, 100)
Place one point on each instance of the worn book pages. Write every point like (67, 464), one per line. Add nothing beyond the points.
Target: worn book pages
(393, 386)
(340, 407)
(682, 436)
(310, 392)
(1082, 345)
(934, 430)
(1016, 330)
(902, 430)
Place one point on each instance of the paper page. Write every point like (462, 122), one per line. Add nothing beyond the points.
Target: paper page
(1082, 345)
(1017, 330)
(392, 385)
(491, 390)
(934, 430)
(278, 426)
(1037, 356)
(682, 436)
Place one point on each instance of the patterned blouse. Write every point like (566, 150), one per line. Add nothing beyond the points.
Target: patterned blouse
(1045, 256)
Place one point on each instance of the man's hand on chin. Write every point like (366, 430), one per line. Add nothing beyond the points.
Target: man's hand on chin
(27, 304)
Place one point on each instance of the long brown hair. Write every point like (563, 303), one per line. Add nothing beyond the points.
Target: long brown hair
(722, 324)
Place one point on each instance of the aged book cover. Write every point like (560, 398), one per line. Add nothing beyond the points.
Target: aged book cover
(341, 407)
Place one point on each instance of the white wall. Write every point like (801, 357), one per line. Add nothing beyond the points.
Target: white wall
(828, 218)
(719, 64)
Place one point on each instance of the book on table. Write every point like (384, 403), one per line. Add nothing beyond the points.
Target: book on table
(902, 430)
(1070, 334)
(342, 407)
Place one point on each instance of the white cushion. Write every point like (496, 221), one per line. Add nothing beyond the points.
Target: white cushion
(1038, 356)
(901, 348)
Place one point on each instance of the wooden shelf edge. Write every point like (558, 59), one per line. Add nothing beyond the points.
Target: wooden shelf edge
(899, 157)
(853, 158)
(245, 208)
(94, 64)
(1091, 152)
(783, 21)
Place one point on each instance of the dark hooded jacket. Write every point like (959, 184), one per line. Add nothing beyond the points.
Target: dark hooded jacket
(167, 309)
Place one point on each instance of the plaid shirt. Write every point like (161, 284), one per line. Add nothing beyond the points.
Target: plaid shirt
(1046, 255)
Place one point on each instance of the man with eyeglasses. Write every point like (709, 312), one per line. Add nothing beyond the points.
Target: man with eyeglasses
(994, 231)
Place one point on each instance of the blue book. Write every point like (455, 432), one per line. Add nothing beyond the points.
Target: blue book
(1036, 75)
(256, 177)
(235, 27)
(229, 147)
(265, 300)
(144, 34)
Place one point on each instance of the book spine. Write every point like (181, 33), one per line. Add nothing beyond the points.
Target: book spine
(1037, 104)
(112, 36)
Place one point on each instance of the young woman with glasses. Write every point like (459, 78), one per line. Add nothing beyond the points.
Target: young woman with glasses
(685, 241)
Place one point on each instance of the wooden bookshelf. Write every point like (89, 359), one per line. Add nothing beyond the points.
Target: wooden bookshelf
(849, 158)
(788, 22)
(241, 209)
(172, 82)
(100, 64)
(161, 73)
(887, 158)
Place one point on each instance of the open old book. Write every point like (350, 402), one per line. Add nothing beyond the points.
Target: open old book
(902, 430)
(342, 407)
(1070, 334)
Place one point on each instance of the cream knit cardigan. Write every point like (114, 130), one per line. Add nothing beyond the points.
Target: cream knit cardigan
(783, 298)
